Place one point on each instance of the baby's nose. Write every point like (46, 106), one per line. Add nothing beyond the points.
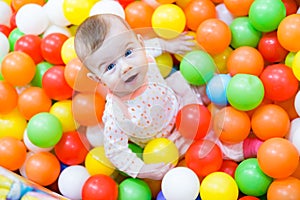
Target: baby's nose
(126, 69)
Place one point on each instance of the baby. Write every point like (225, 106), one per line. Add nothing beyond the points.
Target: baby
(140, 104)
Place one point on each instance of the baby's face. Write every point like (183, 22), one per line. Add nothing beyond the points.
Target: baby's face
(120, 63)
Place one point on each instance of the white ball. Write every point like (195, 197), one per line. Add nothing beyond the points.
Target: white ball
(54, 10)
(5, 13)
(224, 14)
(107, 7)
(297, 103)
(32, 19)
(180, 183)
(57, 29)
(94, 135)
(4, 45)
(294, 134)
(32, 147)
(22, 169)
(71, 181)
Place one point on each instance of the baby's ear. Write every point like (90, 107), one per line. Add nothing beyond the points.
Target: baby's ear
(93, 77)
(141, 39)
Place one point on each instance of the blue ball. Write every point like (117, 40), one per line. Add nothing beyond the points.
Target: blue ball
(216, 89)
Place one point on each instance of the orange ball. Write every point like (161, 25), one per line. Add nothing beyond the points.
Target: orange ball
(196, 11)
(270, 121)
(213, 35)
(42, 168)
(288, 33)
(278, 157)
(231, 125)
(13, 153)
(138, 14)
(238, 7)
(246, 60)
(18, 68)
(33, 100)
(8, 97)
(288, 188)
(17, 4)
(88, 108)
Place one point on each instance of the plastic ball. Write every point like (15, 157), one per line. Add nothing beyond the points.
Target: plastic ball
(14, 35)
(271, 49)
(8, 97)
(160, 150)
(278, 157)
(213, 35)
(288, 188)
(164, 63)
(288, 61)
(54, 10)
(266, 15)
(41, 68)
(58, 29)
(180, 183)
(221, 60)
(32, 101)
(196, 11)
(51, 47)
(55, 85)
(12, 124)
(88, 108)
(44, 130)
(4, 48)
(18, 68)
(243, 33)
(245, 60)
(218, 185)
(6, 13)
(231, 125)
(13, 153)
(31, 147)
(250, 179)
(296, 65)
(68, 51)
(168, 21)
(264, 122)
(134, 189)
(17, 4)
(63, 111)
(32, 24)
(70, 150)
(5, 29)
(193, 121)
(250, 86)
(138, 14)
(71, 8)
(229, 167)
(288, 31)
(290, 6)
(279, 82)
(107, 7)
(94, 135)
(197, 67)
(100, 187)
(71, 181)
(238, 8)
(204, 157)
(96, 162)
(42, 168)
(216, 89)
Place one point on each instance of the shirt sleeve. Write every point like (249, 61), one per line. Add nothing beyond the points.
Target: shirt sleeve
(153, 47)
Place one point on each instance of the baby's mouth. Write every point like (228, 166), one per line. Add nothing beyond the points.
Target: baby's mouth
(131, 78)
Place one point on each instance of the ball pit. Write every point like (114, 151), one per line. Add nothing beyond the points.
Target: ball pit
(51, 112)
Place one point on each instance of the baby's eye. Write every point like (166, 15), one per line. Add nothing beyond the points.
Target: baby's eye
(128, 52)
(110, 66)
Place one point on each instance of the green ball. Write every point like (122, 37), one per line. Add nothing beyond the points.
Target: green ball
(243, 33)
(14, 35)
(44, 130)
(197, 67)
(134, 189)
(266, 15)
(245, 92)
(41, 68)
(250, 179)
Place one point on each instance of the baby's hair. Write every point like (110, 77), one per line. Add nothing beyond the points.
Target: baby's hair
(91, 33)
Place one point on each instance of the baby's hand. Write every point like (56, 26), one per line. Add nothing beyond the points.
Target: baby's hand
(179, 45)
(155, 171)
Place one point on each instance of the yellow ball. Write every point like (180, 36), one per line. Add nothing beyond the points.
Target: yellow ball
(97, 163)
(219, 185)
(168, 21)
(8, 2)
(164, 64)
(12, 124)
(161, 150)
(296, 65)
(63, 111)
(221, 60)
(68, 50)
(76, 11)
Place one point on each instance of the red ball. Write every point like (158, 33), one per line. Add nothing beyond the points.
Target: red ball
(204, 157)
(55, 85)
(51, 47)
(291, 6)
(70, 150)
(5, 30)
(249, 198)
(271, 49)
(279, 82)
(100, 187)
(193, 120)
(31, 45)
(229, 167)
